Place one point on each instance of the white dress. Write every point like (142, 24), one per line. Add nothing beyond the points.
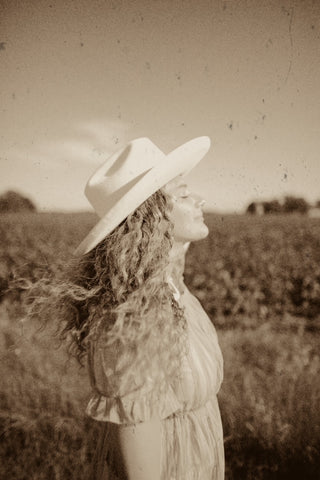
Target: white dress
(192, 437)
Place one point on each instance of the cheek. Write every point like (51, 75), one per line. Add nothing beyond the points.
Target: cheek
(186, 226)
(181, 218)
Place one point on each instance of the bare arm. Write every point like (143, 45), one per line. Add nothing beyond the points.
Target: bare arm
(139, 450)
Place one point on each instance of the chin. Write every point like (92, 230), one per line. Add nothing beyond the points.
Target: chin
(191, 233)
(204, 232)
(199, 234)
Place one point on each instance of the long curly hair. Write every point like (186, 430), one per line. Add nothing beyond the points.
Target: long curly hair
(118, 293)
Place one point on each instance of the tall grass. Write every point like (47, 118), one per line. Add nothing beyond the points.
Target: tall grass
(43, 394)
(270, 404)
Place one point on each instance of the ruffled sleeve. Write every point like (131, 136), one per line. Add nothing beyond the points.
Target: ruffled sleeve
(125, 404)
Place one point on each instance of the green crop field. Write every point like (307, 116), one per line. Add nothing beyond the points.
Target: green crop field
(259, 280)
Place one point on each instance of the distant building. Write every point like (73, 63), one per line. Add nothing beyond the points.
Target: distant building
(314, 212)
(256, 208)
(260, 208)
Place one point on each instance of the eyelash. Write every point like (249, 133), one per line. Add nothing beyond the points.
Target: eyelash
(181, 197)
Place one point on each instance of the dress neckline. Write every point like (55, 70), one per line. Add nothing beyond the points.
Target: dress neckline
(176, 292)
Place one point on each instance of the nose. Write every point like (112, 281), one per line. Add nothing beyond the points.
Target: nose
(199, 201)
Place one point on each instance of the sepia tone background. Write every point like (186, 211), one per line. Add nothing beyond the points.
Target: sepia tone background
(80, 79)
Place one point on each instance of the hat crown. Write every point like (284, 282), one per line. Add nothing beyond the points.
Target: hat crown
(121, 172)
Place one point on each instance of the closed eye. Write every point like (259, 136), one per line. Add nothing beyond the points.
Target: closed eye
(186, 194)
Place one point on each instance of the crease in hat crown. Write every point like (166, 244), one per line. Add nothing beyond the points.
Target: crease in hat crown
(121, 172)
(130, 176)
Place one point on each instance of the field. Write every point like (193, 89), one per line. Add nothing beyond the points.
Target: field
(259, 280)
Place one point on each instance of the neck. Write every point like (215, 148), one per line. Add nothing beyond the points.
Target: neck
(176, 266)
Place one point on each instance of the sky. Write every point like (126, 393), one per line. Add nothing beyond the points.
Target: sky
(79, 79)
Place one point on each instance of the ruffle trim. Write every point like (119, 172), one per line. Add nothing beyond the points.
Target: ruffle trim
(193, 444)
(126, 410)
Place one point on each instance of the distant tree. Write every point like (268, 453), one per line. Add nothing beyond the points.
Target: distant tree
(15, 202)
(251, 208)
(295, 204)
(318, 203)
(272, 206)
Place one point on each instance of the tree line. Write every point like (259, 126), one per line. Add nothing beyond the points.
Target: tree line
(12, 201)
(290, 204)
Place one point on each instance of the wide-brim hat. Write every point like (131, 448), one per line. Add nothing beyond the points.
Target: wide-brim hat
(129, 177)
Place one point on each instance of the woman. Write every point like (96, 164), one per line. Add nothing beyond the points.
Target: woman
(154, 361)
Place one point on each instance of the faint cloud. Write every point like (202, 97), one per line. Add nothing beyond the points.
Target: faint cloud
(105, 136)
(88, 143)
(64, 162)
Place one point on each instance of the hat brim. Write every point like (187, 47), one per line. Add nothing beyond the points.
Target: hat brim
(178, 162)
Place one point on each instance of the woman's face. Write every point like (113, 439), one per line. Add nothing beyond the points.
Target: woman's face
(186, 214)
